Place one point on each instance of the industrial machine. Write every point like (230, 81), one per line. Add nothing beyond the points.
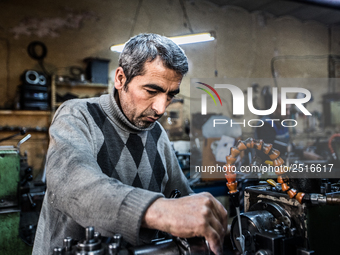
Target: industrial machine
(14, 174)
(93, 245)
(293, 216)
(296, 216)
(275, 224)
(165, 244)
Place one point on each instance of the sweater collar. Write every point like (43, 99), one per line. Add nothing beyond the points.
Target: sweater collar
(112, 110)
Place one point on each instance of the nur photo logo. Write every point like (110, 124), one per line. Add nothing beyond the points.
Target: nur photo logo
(204, 96)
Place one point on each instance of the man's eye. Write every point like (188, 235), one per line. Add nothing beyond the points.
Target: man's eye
(152, 92)
(171, 96)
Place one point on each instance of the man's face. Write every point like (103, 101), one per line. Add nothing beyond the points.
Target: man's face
(148, 95)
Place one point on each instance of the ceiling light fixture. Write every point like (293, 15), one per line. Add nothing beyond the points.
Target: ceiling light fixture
(180, 40)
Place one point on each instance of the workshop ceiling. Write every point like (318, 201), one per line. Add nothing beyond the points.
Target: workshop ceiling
(324, 11)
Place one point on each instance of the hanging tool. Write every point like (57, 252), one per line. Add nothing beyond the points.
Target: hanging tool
(23, 140)
(22, 132)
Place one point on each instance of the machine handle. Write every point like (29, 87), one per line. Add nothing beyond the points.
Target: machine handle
(22, 132)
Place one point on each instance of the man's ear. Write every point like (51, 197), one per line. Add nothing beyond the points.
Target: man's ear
(120, 78)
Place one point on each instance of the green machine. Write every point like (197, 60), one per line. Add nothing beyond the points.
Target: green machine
(10, 242)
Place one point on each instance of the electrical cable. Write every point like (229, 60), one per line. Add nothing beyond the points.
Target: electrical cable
(135, 18)
(186, 16)
(32, 52)
(41, 64)
(331, 147)
(215, 59)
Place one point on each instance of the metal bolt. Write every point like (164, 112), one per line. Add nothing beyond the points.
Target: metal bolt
(89, 233)
(97, 235)
(68, 243)
(261, 252)
(117, 239)
(113, 248)
(293, 231)
(57, 251)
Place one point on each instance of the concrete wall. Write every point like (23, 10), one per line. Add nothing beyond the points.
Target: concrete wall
(73, 30)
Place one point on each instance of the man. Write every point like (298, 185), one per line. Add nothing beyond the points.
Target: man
(110, 164)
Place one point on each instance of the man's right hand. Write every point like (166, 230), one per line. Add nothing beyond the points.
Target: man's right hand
(196, 215)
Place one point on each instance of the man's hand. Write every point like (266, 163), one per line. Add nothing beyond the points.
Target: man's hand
(196, 215)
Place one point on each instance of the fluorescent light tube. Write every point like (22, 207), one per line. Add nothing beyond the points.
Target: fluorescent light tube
(180, 40)
(194, 38)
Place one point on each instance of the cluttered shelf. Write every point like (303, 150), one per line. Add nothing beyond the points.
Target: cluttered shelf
(32, 120)
(24, 112)
(81, 85)
(62, 91)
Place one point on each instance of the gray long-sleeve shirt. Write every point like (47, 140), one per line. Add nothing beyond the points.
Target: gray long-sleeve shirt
(102, 171)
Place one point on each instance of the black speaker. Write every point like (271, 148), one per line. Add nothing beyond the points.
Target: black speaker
(34, 78)
(34, 91)
(97, 70)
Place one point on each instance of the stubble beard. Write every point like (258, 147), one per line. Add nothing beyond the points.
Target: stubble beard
(140, 123)
(138, 120)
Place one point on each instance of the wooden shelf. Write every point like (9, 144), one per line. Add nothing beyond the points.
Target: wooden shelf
(35, 121)
(23, 112)
(82, 85)
(79, 89)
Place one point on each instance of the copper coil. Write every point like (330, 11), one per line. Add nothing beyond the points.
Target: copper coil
(227, 168)
(278, 162)
(232, 187)
(230, 177)
(258, 144)
(300, 196)
(280, 179)
(291, 193)
(284, 187)
(230, 160)
(234, 152)
(266, 147)
(249, 143)
(279, 170)
(241, 146)
(274, 154)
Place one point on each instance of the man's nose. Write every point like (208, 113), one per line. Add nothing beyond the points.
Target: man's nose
(160, 103)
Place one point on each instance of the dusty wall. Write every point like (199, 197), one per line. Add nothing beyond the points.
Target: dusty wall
(73, 30)
(244, 46)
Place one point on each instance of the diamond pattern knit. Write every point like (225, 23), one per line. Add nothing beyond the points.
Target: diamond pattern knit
(133, 150)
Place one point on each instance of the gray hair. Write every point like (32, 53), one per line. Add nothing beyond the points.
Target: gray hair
(146, 47)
